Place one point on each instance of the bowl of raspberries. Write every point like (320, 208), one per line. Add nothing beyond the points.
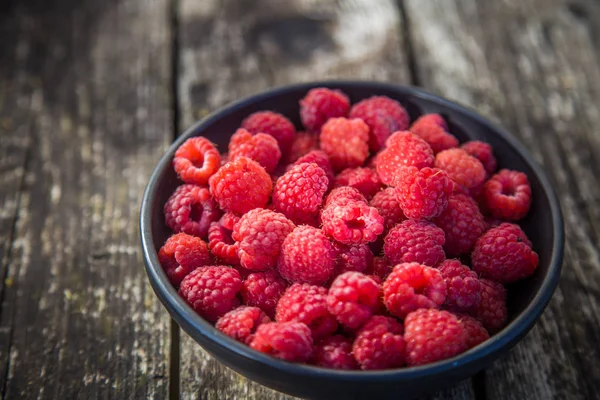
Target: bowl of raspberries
(351, 239)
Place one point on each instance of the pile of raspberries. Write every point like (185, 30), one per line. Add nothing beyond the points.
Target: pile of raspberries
(366, 241)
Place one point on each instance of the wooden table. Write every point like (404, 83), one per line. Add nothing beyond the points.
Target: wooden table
(92, 92)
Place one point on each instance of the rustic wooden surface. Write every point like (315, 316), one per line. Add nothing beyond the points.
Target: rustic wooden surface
(92, 92)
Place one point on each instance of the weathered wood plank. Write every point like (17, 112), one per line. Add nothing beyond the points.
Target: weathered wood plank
(82, 319)
(533, 67)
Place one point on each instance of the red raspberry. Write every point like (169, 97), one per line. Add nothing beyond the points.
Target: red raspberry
(461, 167)
(423, 193)
(345, 141)
(492, 310)
(196, 160)
(263, 290)
(414, 241)
(353, 298)
(352, 222)
(343, 195)
(181, 254)
(307, 256)
(303, 143)
(320, 158)
(211, 291)
(507, 195)
(307, 304)
(386, 203)
(241, 185)
(381, 268)
(241, 323)
(476, 333)
(228, 220)
(432, 128)
(404, 150)
(222, 245)
(321, 104)
(504, 254)
(191, 210)
(261, 148)
(273, 124)
(383, 115)
(411, 286)
(260, 234)
(483, 152)
(462, 284)
(462, 223)
(289, 341)
(357, 258)
(365, 180)
(379, 344)
(334, 352)
(433, 335)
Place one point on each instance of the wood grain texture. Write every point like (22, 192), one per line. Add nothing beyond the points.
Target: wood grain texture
(78, 318)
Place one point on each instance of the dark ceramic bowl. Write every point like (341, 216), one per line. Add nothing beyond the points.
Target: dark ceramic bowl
(526, 300)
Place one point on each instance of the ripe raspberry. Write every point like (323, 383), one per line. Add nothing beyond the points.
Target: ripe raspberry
(307, 304)
(303, 143)
(353, 298)
(334, 352)
(345, 141)
(476, 333)
(365, 180)
(386, 203)
(263, 290)
(357, 258)
(383, 115)
(432, 128)
(320, 158)
(492, 310)
(181, 254)
(228, 220)
(343, 195)
(196, 160)
(433, 335)
(411, 286)
(307, 256)
(483, 152)
(222, 245)
(273, 124)
(462, 223)
(352, 222)
(404, 150)
(261, 148)
(321, 104)
(462, 284)
(423, 193)
(289, 341)
(379, 344)
(211, 291)
(461, 167)
(241, 323)
(507, 195)
(241, 185)
(381, 269)
(504, 254)
(414, 241)
(191, 210)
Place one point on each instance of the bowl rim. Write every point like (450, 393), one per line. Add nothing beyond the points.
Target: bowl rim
(193, 324)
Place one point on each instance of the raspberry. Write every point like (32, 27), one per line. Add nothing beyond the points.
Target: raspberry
(483, 152)
(353, 298)
(343, 195)
(504, 254)
(462, 284)
(211, 291)
(352, 222)
(307, 304)
(307, 256)
(383, 115)
(196, 160)
(303, 143)
(381, 268)
(320, 158)
(492, 310)
(432, 128)
(507, 195)
(191, 210)
(411, 286)
(404, 150)
(345, 141)
(414, 241)
(228, 220)
(289, 341)
(261, 148)
(433, 335)
(461, 167)
(353, 258)
(241, 323)
(221, 244)
(321, 104)
(334, 352)
(462, 223)
(299, 193)
(476, 333)
(273, 124)
(379, 344)
(241, 185)
(423, 193)
(263, 290)
(386, 203)
(181, 254)
(365, 180)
